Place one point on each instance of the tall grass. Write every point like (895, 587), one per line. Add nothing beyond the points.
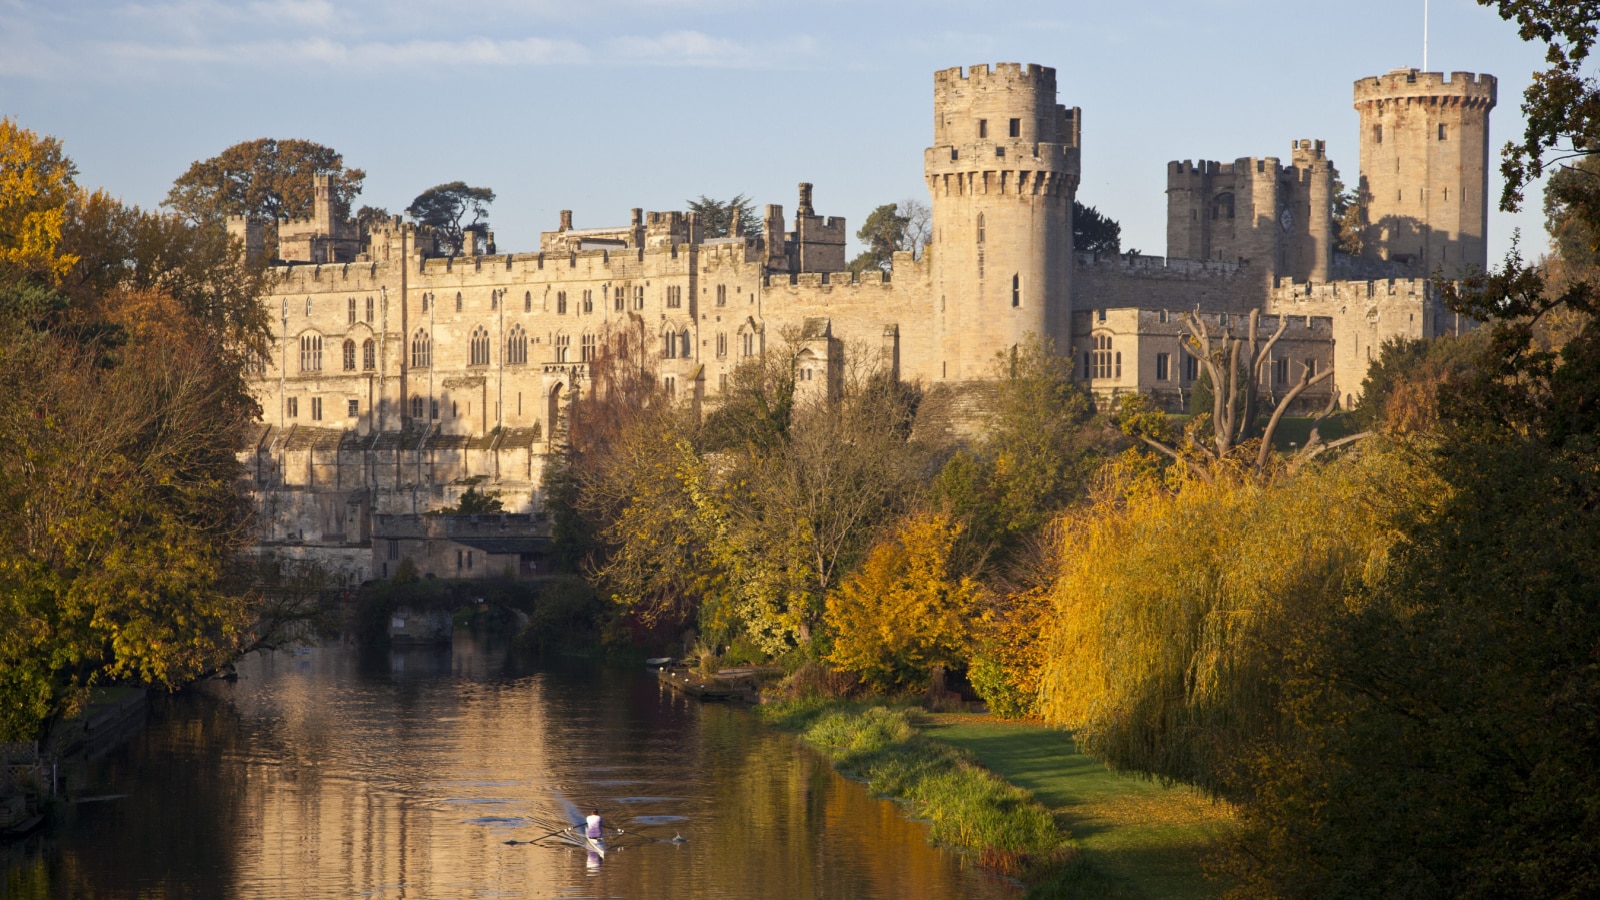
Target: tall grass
(967, 806)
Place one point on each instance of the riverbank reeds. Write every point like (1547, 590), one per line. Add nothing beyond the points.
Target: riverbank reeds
(967, 807)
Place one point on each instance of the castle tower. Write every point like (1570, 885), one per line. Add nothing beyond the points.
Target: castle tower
(1003, 171)
(1425, 168)
(1313, 243)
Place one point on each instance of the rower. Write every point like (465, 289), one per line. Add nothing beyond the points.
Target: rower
(592, 828)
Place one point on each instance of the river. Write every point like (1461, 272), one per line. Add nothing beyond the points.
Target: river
(402, 774)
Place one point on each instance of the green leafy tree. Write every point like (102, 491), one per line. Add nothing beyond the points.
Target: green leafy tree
(725, 218)
(883, 233)
(370, 217)
(1093, 231)
(266, 179)
(445, 207)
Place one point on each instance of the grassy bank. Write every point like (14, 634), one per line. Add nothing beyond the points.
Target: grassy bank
(1136, 837)
(1022, 799)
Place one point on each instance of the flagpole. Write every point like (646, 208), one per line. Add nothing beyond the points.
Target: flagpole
(1424, 35)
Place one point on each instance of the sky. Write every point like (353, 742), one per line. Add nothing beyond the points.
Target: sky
(600, 106)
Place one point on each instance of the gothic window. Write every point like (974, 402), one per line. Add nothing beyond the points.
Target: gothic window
(479, 347)
(588, 302)
(980, 228)
(669, 345)
(421, 350)
(308, 306)
(586, 349)
(684, 346)
(369, 355)
(517, 347)
(425, 302)
(748, 341)
(349, 355)
(722, 295)
(351, 313)
(369, 310)
(1016, 290)
(458, 301)
(311, 353)
(1105, 361)
(527, 301)
(722, 345)
(563, 345)
(638, 298)
(416, 407)
(561, 302)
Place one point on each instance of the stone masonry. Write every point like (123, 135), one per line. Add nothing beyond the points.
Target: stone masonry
(399, 377)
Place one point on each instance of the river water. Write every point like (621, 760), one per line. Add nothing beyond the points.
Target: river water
(402, 774)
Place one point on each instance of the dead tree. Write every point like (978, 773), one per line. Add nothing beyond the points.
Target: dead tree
(1235, 366)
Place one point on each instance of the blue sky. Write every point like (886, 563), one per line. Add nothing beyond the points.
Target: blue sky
(603, 105)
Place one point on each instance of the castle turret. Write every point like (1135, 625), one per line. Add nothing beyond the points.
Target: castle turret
(1425, 168)
(1003, 172)
(1315, 243)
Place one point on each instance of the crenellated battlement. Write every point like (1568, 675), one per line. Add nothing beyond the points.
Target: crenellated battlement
(1001, 75)
(1435, 87)
(1285, 290)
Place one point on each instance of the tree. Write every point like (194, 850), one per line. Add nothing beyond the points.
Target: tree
(904, 612)
(265, 179)
(444, 208)
(1093, 232)
(891, 228)
(36, 185)
(1234, 366)
(474, 502)
(726, 218)
(370, 217)
(1348, 218)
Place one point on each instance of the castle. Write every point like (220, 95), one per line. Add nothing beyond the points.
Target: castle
(400, 376)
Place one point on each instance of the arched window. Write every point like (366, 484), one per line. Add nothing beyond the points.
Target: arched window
(416, 407)
(311, 353)
(586, 348)
(480, 347)
(527, 301)
(980, 228)
(669, 345)
(369, 355)
(685, 349)
(308, 306)
(1104, 364)
(425, 302)
(421, 350)
(563, 345)
(458, 301)
(1016, 290)
(517, 347)
(350, 355)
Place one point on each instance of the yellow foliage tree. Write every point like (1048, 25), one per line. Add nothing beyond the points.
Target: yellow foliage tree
(36, 186)
(904, 612)
(1176, 610)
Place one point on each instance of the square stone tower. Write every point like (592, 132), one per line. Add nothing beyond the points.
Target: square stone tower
(1425, 168)
(1003, 171)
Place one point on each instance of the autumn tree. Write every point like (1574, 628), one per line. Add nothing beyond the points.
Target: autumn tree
(445, 207)
(36, 186)
(265, 179)
(726, 218)
(905, 611)
(122, 520)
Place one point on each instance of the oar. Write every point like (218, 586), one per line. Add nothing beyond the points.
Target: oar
(541, 837)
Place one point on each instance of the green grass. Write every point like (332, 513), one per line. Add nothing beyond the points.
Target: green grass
(1136, 837)
(966, 806)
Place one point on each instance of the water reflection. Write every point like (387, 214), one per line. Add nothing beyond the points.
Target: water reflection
(403, 774)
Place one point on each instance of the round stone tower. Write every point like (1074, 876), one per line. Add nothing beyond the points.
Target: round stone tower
(1003, 171)
(1425, 168)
